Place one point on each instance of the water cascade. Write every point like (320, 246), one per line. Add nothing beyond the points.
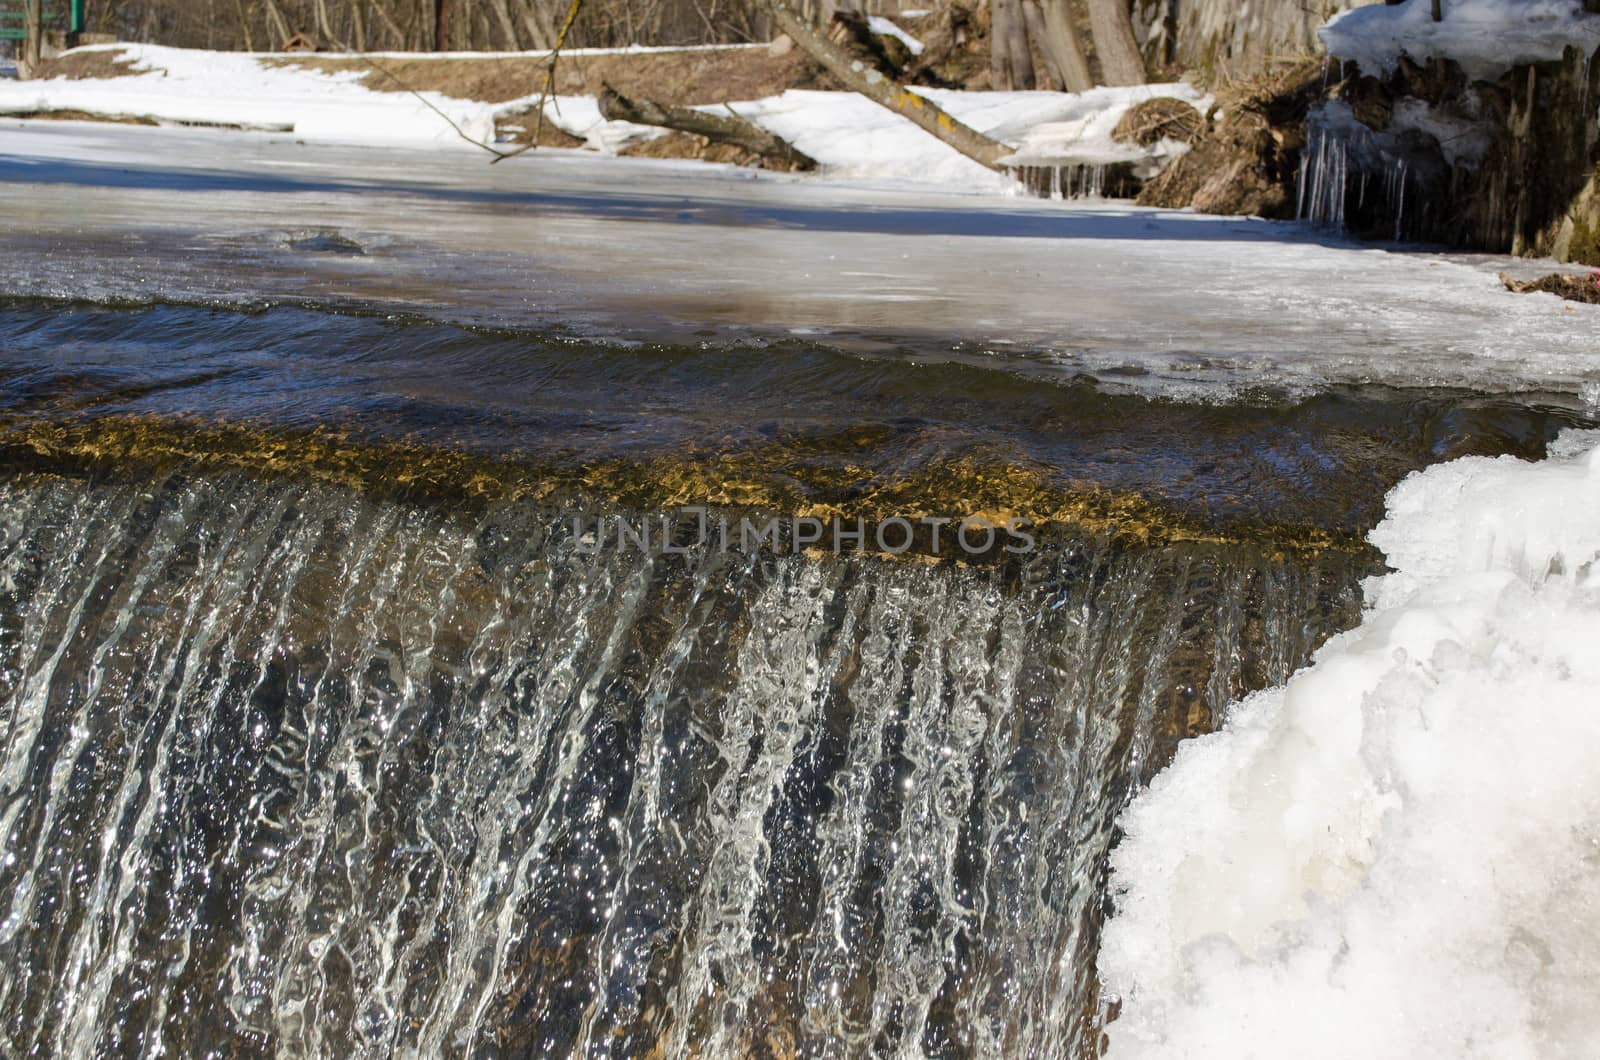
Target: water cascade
(292, 768)
(1354, 179)
(1077, 181)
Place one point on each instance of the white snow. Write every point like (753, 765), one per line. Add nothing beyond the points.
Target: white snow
(849, 135)
(1081, 134)
(1397, 854)
(192, 87)
(1487, 37)
(854, 138)
(580, 116)
(886, 28)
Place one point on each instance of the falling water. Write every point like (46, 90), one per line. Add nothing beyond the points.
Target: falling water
(1325, 180)
(1351, 179)
(288, 768)
(1065, 182)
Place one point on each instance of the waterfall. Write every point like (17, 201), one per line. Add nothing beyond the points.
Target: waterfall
(291, 768)
(1078, 181)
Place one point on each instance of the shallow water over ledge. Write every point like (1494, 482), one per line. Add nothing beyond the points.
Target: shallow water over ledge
(323, 733)
(290, 769)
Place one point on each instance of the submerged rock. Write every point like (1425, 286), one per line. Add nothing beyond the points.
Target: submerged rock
(325, 241)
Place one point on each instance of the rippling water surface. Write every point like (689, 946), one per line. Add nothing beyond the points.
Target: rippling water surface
(323, 735)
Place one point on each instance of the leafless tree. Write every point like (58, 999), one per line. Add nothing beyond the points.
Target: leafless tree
(1071, 44)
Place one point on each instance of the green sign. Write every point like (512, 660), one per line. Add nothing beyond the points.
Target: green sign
(57, 14)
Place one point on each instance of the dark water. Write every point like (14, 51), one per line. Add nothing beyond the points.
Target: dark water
(303, 758)
(811, 422)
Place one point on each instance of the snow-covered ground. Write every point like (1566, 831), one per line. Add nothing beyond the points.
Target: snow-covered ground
(1163, 302)
(1397, 854)
(849, 135)
(854, 138)
(1487, 37)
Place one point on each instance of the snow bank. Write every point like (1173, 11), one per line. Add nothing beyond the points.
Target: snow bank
(1487, 37)
(1398, 853)
(190, 87)
(849, 135)
(1081, 134)
(854, 138)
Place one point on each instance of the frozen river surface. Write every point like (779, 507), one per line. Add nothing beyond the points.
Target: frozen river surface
(1159, 302)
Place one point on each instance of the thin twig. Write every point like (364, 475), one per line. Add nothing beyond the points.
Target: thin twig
(498, 154)
(549, 83)
(424, 100)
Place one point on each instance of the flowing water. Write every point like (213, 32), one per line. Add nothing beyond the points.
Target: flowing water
(332, 727)
(291, 770)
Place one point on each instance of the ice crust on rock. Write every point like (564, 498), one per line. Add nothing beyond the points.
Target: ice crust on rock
(1487, 37)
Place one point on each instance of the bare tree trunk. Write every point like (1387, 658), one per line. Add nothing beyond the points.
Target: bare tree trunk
(502, 14)
(926, 114)
(1000, 15)
(32, 44)
(1022, 75)
(388, 20)
(324, 27)
(541, 30)
(244, 26)
(276, 18)
(1120, 61)
(724, 128)
(1059, 42)
(358, 24)
(441, 24)
(1010, 61)
(1033, 19)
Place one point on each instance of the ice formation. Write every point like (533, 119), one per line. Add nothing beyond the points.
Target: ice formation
(1397, 854)
(1487, 37)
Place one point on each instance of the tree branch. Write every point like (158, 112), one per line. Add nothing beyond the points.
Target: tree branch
(727, 129)
(926, 114)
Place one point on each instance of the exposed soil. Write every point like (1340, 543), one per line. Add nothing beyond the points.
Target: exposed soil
(683, 77)
(710, 75)
(78, 115)
(87, 65)
(1247, 162)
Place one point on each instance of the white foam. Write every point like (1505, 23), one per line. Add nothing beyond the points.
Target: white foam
(1397, 854)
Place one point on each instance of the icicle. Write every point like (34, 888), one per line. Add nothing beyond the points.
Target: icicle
(1400, 211)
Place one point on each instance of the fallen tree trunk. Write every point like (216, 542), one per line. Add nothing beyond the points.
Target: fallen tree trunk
(856, 76)
(723, 128)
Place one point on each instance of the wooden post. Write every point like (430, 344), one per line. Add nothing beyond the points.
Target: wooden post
(1438, 10)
